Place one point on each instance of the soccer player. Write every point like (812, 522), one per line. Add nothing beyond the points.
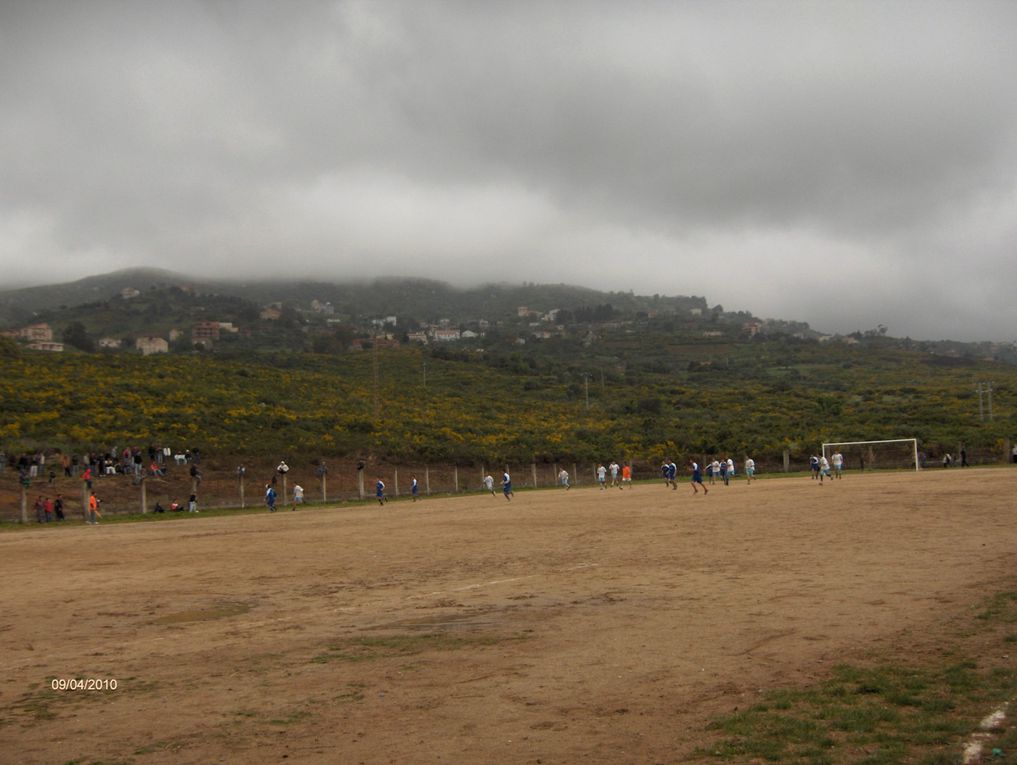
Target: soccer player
(298, 497)
(814, 466)
(563, 479)
(506, 485)
(414, 488)
(626, 477)
(672, 475)
(613, 467)
(750, 469)
(379, 492)
(269, 497)
(697, 477)
(602, 476)
(489, 484)
(838, 464)
(730, 469)
(824, 468)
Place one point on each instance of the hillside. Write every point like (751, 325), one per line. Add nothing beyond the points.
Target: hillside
(579, 375)
(415, 404)
(327, 317)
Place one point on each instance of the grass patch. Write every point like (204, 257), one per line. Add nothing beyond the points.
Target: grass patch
(379, 647)
(1001, 607)
(886, 714)
(167, 745)
(220, 611)
(290, 719)
(41, 702)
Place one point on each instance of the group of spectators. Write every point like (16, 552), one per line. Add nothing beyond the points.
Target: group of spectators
(130, 460)
(47, 509)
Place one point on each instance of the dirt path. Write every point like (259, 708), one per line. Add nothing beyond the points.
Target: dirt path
(561, 627)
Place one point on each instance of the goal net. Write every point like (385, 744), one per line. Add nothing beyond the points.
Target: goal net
(888, 454)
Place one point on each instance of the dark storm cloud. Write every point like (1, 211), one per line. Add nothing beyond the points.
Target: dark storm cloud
(842, 163)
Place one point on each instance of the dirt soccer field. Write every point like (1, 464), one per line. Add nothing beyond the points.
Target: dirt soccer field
(586, 626)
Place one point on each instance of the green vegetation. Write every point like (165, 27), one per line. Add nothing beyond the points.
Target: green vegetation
(888, 712)
(577, 375)
(360, 649)
(757, 397)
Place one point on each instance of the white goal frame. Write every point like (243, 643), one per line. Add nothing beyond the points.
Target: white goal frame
(912, 441)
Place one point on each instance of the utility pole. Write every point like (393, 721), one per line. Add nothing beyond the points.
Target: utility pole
(986, 389)
(374, 370)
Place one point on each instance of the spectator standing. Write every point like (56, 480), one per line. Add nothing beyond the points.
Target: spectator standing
(93, 515)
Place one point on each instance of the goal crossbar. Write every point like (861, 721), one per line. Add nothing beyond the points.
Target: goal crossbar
(912, 441)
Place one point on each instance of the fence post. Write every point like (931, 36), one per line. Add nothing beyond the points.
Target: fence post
(84, 499)
(242, 500)
(395, 480)
(455, 474)
(360, 482)
(575, 473)
(533, 466)
(787, 460)
(144, 497)
(324, 491)
(24, 502)
(427, 480)
(1007, 453)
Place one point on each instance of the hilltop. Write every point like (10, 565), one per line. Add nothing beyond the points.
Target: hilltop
(574, 323)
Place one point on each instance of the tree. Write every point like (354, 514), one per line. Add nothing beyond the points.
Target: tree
(75, 335)
(9, 349)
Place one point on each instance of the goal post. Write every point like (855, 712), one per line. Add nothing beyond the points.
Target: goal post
(862, 444)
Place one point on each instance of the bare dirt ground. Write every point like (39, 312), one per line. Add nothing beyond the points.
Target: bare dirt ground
(585, 626)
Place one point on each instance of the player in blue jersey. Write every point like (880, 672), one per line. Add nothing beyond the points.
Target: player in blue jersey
(697, 477)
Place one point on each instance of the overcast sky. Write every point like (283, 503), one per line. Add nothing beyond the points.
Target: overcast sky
(843, 163)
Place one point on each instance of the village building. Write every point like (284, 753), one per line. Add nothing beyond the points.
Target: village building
(33, 333)
(52, 347)
(443, 335)
(148, 345)
(205, 332)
